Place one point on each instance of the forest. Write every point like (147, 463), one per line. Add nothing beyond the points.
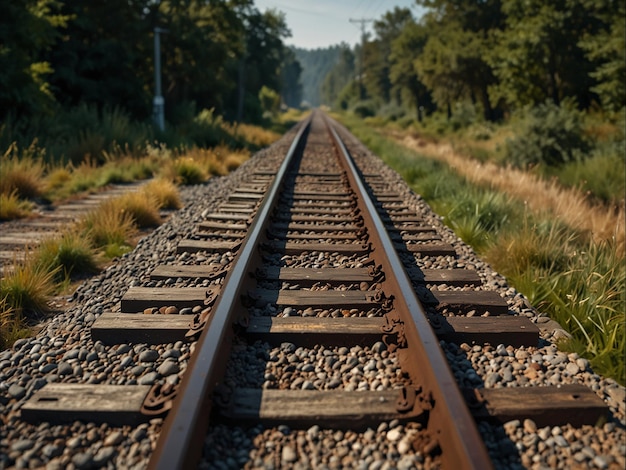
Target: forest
(499, 55)
(68, 65)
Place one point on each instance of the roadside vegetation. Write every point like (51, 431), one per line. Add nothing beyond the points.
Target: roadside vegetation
(29, 178)
(508, 117)
(564, 249)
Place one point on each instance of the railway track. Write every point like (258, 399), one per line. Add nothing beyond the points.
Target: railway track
(314, 305)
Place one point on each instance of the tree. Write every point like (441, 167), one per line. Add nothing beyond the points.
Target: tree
(403, 73)
(28, 29)
(538, 56)
(454, 63)
(316, 64)
(376, 54)
(290, 72)
(204, 39)
(441, 66)
(606, 50)
(339, 78)
(101, 58)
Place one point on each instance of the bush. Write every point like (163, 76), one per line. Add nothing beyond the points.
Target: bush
(550, 135)
(365, 109)
(392, 112)
(463, 116)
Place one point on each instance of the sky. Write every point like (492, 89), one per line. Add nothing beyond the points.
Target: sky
(323, 23)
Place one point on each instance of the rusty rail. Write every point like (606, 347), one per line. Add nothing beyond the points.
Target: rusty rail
(423, 359)
(180, 441)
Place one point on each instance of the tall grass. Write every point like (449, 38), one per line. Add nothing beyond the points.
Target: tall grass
(85, 149)
(571, 205)
(580, 286)
(12, 325)
(142, 207)
(578, 279)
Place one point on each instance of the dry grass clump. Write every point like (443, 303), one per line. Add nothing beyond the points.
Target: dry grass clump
(11, 329)
(108, 225)
(142, 207)
(196, 164)
(187, 170)
(12, 207)
(22, 171)
(255, 135)
(234, 159)
(571, 206)
(164, 192)
(57, 178)
(26, 287)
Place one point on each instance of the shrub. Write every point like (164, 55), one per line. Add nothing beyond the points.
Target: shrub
(84, 131)
(392, 112)
(549, 134)
(463, 116)
(270, 100)
(365, 109)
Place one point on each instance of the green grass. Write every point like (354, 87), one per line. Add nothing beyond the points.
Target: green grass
(576, 282)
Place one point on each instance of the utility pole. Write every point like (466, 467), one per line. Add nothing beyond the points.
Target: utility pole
(158, 104)
(363, 22)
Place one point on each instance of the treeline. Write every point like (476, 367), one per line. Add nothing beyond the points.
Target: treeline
(220, 55)
(499, 55)
(316, 64)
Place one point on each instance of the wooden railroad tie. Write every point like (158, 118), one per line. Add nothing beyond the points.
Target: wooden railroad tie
(113, 328)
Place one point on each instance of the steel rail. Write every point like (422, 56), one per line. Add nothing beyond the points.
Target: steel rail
(461, 444)
(180, 442)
